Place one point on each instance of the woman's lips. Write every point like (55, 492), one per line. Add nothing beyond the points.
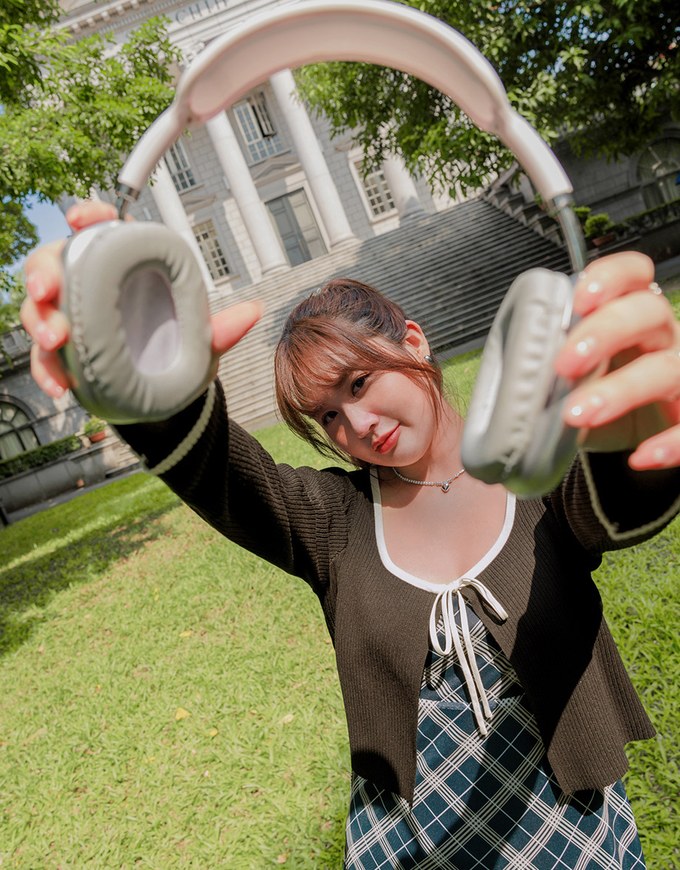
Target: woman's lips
(384, 445)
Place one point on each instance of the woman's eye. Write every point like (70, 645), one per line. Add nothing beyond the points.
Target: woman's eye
(358, 384)
(327, 418)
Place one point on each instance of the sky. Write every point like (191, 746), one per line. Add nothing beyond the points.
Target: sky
(49, 220)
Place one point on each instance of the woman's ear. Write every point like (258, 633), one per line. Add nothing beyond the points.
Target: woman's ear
(415, 340)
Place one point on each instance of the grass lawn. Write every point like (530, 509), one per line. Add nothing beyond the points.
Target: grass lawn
(170, 701)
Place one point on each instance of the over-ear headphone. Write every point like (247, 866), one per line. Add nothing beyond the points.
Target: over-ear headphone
(140, 347)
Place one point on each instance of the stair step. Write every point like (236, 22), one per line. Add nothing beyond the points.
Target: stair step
(449, 271)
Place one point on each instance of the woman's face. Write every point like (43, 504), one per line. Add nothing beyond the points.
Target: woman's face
(380, 418)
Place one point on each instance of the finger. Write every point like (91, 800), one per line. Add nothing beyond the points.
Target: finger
(660, 451)
(606, 278)
(46, 325)
(48, 373)
(44, 274)
(84, 214)
(642, 321)
(651, 378)
(229, 326)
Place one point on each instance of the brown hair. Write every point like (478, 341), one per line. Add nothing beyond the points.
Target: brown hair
(343, 327)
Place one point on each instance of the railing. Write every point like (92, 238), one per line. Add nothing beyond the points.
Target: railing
(654, 218)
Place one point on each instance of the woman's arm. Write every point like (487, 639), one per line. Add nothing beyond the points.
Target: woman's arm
(292, 517)
(49, 328)
(223, 473)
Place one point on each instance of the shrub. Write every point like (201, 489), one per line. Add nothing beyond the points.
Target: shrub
(39, 456)
(597, 225)
(582, 212)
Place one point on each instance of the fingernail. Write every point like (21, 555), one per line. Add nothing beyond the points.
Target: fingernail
(585, 347)
(53, 388)
(46, 338)
(584, 412)
(36, 287)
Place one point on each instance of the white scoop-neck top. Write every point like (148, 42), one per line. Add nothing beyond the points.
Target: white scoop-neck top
(431, 586)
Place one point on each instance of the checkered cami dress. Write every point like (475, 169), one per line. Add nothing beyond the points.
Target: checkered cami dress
(486, 801)
(483, 801)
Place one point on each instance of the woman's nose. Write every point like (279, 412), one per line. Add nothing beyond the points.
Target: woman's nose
(361, 420)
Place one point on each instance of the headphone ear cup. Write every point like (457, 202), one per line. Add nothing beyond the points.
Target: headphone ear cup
(513, 433)
(140, 346)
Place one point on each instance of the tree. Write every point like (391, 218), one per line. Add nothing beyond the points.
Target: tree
(71, 111)
(604, 74)
(17, 237)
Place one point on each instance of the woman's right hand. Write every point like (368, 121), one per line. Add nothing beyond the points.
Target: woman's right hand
(49, 328)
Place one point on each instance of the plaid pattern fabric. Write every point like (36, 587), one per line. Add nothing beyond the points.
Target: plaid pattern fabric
(486, 803)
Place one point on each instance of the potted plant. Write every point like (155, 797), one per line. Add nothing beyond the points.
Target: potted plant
(95, 429)
(582, 212)
(598, 229)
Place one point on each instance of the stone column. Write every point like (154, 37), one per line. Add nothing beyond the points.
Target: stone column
(402, 188)
(258, 224)
(312, 159)
(173, 216)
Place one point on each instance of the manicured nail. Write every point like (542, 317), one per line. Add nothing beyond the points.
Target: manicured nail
(46, 338)
(585, 412)
(36, 287)
(53, 388)
(585, 346)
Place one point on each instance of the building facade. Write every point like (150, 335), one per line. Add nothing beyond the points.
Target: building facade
(261, 187)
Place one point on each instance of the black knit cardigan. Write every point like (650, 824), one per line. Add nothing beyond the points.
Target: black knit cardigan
(319, 525)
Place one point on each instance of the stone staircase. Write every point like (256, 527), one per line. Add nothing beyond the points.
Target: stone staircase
(449, 271)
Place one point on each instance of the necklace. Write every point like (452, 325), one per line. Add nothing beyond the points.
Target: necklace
(445, 485)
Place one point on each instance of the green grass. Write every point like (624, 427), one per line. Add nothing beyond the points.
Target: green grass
(142, 614)
(170, 701)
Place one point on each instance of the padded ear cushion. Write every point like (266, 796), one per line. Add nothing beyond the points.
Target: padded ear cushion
(513, 433)
(140, 345)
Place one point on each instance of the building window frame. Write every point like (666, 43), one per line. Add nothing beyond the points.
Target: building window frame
(208, 241)
(658, 171)
(375, 191)
(257, 129)
(17, 433)
(177, 161)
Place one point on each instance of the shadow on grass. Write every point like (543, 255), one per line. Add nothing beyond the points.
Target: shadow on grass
(27, 587)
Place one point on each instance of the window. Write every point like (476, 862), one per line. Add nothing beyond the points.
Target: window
(659, 172)
(178, 164)
(377, 192)
(257, 129)
(297, 228)
(211, 250)
(16, 432)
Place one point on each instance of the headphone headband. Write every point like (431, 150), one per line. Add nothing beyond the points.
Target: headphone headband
(514, 431)
(373, 31)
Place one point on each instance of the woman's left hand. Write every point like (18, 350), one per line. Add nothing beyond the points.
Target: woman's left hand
(626, 348)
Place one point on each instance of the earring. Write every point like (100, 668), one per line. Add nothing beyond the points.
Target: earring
(428, 359)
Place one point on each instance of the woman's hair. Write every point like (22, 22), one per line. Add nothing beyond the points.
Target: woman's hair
(344, 327)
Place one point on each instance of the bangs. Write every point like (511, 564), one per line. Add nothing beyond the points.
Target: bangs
(320, 356)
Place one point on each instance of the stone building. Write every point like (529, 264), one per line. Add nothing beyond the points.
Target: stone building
(260, 188)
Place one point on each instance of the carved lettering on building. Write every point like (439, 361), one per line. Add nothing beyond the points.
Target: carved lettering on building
(198, 10)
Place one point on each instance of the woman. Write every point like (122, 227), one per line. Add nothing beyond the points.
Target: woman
(487, 705)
